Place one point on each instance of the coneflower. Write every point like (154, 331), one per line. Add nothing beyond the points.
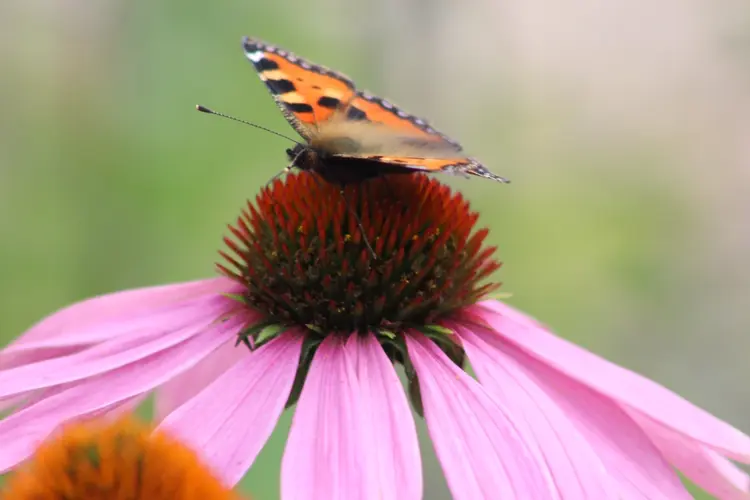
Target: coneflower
(114, 460)
(305, 316)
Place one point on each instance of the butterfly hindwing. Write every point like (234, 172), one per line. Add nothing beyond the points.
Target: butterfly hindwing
(457, 165)
(308, 94)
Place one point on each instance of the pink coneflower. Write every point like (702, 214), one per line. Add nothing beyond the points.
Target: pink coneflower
(304, 316)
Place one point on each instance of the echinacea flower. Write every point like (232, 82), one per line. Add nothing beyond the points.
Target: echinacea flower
(305, 316)
(114, 460)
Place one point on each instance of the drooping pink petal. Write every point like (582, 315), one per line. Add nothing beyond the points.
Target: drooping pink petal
(18, 357)
(576, 468)
(145, 338)
(482, 453)
(183, 387)
(229, 421)
(392, 446)
(627, 458)
(125, 407)
(325, 456)
(21, 431)
(706, 468)
(123, 304)
(80, 324)
(628, 388)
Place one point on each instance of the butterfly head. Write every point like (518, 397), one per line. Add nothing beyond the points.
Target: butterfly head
(304, 157)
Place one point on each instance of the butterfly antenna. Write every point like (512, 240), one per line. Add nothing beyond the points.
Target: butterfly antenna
(206, 110)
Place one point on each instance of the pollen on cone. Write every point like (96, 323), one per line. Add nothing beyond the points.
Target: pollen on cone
(120, 460)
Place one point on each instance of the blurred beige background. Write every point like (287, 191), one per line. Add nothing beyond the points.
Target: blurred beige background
(625, 128)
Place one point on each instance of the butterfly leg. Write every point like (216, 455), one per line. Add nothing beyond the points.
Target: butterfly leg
(278, 174)
(359, 223)
(353, 212)
(296, 156)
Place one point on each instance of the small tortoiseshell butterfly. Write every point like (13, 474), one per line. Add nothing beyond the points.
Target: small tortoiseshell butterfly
(351, 135)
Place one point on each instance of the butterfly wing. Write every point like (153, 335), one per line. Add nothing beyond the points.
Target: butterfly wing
(366, 145)
(308, 94)
(317, 101)
(365, 106)
(437, 151)
(460, 165)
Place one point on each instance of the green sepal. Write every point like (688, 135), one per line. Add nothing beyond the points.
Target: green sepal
(309, 347)
(238, 297)
(386, 333)
(447, 341)
(439, 334)
(268, 333)
(253, 332)
(314, 328)
(412, 385)
(431, 330)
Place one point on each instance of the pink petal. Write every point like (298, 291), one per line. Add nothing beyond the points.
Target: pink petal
(81, 324)
(183, 387)
(123, 304)
(706, 468)
(482, 453)
(14, 356)
(635, 468)
(229, 421)
(325, 456)
(393, 445)
(577, 470)
(628, 388)
(166, 330)
(21, 432)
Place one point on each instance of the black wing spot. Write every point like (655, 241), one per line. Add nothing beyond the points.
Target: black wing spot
(298, 107)
(356, 114)
(281, 86)
(266, 64)
(329, 102)
(316, 87)
(252, 45)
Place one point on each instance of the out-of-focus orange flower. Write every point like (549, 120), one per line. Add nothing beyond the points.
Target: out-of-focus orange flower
(114, 460)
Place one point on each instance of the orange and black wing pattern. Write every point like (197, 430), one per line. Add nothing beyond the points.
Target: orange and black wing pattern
(308, 94)
(316, 100)
(365, 106)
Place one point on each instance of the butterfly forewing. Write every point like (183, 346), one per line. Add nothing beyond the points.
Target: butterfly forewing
(377, 110)
(308, 94)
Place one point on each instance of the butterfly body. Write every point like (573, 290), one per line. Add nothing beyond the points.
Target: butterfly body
(340, 169)
(352, 135)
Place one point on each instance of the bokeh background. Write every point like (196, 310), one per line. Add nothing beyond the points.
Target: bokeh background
(624, 127)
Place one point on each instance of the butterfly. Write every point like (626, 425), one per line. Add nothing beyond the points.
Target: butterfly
(351, 135)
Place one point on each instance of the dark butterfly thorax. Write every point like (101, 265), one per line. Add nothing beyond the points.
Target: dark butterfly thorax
(339, 169)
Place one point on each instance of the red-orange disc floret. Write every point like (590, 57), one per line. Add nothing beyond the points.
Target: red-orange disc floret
(303, 260)
(121, 460)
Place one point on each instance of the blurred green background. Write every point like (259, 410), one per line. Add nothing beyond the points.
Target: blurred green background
(624, 128)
